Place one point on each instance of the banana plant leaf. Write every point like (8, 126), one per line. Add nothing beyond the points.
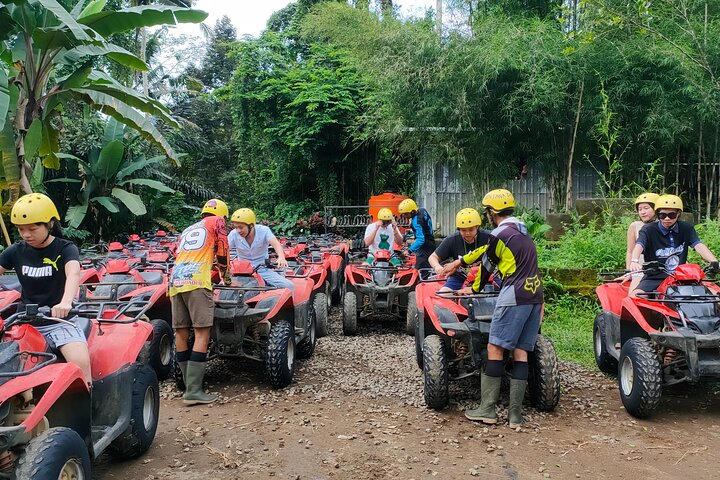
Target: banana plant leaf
(108, 22)
(133, 202)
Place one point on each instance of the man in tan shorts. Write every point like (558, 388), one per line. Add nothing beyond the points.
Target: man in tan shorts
(191, 295)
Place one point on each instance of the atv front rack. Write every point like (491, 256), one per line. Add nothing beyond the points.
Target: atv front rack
(653, 297)
(95, 309)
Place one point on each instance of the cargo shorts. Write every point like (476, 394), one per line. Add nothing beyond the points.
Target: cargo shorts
(516, 326)
(193, 309)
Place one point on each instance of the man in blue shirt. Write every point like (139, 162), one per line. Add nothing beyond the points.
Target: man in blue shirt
(421, 223)
(249, 241)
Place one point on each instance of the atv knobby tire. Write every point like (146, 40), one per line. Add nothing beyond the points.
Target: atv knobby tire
(162, 350)
(350, 313)
(144, 416)
(306, 347)
(418, 345)
(411, 315)
(605, 362)
(544, 375)
(280, 360)
(320, 305)
(639, 377)
(435, 373)
(51, 454)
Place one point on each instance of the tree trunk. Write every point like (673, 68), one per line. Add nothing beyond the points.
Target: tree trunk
(143, 53)
(698, 177)
(569, 179)
(438, 17)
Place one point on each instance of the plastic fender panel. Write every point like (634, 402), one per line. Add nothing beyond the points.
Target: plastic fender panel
(152, 292)
(425, 290)
(118, 345)
(611, 296)
(688, 272)
(335, 262)
(407, 277)
(303, 290)
(631, 312)
(443, 310)
(58, 376)
(354, 275)
(9, 297)
(89, 275)
(118, 266)
(240, 267)
(276, 300)
(28, 338)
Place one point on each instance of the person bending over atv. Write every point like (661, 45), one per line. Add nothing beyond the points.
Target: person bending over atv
(666, 241)
(518, 311)
(468, 238)
(381, 235)
(421, 223)
(191, 295)
(250, 241)
(48, 268)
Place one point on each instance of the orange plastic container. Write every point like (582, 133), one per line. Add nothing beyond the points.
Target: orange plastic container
(386, 200)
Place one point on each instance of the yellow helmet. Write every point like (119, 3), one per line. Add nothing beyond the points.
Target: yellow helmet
(244, 215)
(498, 200)
(468, 217)
(33, 208)
(385, 214)
(408, 205)
(668, 201)
(647, 197)
(215, 207)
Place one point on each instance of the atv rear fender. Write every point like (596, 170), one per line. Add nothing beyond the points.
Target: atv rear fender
(303, 289)
(335, 262)
(113, 345)
(425, 290)
(355, 276)
(443, 310)
(153, 292)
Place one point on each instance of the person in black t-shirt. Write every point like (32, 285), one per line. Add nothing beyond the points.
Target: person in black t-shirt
(666, 241)
(48, 268)
(468, 238)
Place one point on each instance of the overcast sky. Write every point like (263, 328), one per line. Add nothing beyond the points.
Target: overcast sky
(249, 16)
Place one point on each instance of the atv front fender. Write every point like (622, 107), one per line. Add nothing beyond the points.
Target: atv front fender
(702, 352)
(113, 345)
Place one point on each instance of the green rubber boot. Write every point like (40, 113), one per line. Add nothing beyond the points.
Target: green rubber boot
(183, 370)
(517, 394)
(194, 393)
(489, 394)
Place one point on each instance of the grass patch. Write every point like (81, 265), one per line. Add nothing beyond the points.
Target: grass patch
(568, 322)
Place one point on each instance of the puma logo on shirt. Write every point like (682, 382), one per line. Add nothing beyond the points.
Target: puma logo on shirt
(37, 272)
(47, 261)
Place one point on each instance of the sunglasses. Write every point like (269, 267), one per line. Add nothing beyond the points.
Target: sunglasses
(671, 215)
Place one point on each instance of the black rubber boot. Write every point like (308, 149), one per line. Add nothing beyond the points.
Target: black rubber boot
(194, 393)
(489, 395)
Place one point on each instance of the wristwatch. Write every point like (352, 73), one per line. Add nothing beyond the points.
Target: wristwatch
(635, 260)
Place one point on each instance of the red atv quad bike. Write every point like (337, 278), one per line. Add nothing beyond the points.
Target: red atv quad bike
(334, 253)
(52, 425)
(660, 338)
(457, 331)
(380, 288)
(415, 317)
(146, 285)
(267, 325)
(318, 273)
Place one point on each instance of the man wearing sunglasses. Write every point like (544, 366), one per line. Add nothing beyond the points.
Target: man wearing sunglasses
(667, 241)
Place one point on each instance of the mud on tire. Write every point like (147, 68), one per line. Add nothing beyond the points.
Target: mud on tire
(55, 451)
(144, 416)
(639, 378)
(605, 362)
(435, 373)
(350, 313)
(280, 360)
(544, 375)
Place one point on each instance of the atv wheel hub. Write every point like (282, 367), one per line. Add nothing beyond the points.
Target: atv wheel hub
(72, 470)
(148, 409)
(627, 376)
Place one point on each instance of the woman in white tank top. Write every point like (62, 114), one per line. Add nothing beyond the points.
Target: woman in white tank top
(645, 208)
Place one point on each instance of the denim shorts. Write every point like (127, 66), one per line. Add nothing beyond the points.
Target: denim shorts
(62, 333)
(455, 281)
(516, 326)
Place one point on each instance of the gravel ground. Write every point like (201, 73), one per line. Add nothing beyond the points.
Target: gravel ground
(356, 410)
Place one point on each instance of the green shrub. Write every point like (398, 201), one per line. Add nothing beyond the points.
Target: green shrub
(599, 246)
(568, 322)
(709, 233)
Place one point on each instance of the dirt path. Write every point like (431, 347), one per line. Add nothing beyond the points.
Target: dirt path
(355, 410)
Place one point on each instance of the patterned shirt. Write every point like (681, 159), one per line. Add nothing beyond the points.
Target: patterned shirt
(199, 245)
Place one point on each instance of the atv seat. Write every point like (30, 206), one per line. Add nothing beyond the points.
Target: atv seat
(152, 277)
(84, 324)
(105, 291)
(10, 282)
